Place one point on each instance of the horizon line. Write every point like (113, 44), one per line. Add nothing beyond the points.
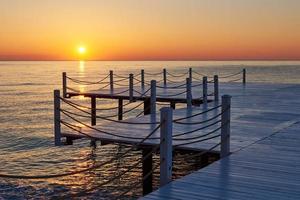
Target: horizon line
(151, 60)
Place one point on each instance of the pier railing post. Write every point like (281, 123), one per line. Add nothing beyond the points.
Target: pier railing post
(191, 74)
(153, 97)
(165, 76)
(166, 116)
(111, 80)
(93, 111)
(57, 126)
(64, 84)
(130, 87)
(142, 79)
(204, 90)
(216, 87)
(225, 126)
(244, 76)
(188, 93)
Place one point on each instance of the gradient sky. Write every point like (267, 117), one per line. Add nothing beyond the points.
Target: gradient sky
(150, 29)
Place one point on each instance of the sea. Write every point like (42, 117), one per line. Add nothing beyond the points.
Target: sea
(26, 126)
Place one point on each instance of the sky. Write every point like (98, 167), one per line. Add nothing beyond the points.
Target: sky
(150, 29)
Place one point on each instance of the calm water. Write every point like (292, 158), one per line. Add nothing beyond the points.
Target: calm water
(26, 135)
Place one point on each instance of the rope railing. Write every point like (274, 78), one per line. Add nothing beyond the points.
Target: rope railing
(87, 82)
(171, 81)
(171, 95)
(105, 132)
(86, 107)
(196, 130)
(198, 141)
(105, 117)
(181, 86)
(153, 74)
(177, 75)
(197, 114)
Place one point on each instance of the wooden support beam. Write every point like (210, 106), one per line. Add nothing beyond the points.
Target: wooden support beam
(64, 84)
(225, 123)
(111, 81)
(143, 79)
(189, 97)
(69, 141)
(166, 148)
(120, 109)
(147, 168)
(191, 74)
(153, 97)
(173, 105)
(93, 111)
(204, 90)
(147, 106)
(57, 125)
(165, 76)
(131, 87)
(216, 87)
(244, 76)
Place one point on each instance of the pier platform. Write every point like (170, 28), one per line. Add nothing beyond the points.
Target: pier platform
(265, 158)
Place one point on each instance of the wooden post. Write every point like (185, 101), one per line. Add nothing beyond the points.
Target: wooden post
(131, 87)
(188, 93)
(143, 79)
(93, 111)
(120, 109)
(216, 87)
(165, 76)
(244, 76)
(64, 84)
(166, 117)
(191, 74)
(111, 80)
(57, 126)
(147, 168)
(225, 123)
(153, 98)
(204, 95)
(173, 105)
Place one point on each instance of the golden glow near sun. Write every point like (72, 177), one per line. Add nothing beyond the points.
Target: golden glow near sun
(81, 50)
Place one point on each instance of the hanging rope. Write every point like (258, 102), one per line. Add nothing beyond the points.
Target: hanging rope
(201, 113)
(198, 129)
(87, 82)
(197, 141)
(177, 76)
(86, 107)
(173, 87)
(201, 122)
(152, 74)
(172, 95)
(199, 136)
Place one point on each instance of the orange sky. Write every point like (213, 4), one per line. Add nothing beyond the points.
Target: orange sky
(150, 30)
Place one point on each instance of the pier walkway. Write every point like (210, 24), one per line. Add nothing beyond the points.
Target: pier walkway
(265, 158)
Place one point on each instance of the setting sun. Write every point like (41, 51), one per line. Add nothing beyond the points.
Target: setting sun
(81, 50)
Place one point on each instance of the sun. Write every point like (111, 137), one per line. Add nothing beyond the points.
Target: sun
(81, 50)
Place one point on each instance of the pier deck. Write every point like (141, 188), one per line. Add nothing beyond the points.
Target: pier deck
(257, 110)
(265, 140)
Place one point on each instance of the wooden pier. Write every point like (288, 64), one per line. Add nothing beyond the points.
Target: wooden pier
(245, 128)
